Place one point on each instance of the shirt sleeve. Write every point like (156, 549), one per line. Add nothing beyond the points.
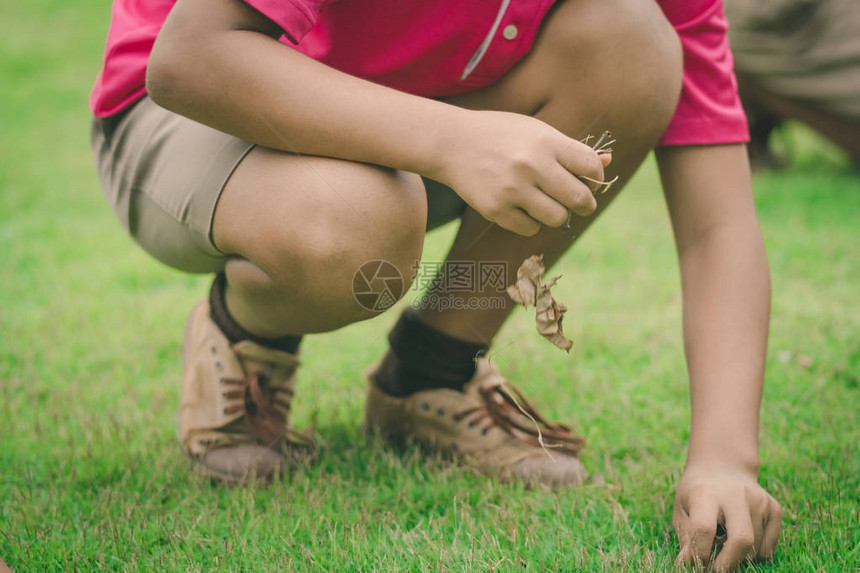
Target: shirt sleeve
(709, 110)
(295, 17)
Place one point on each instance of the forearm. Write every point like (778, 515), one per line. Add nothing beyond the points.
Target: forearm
(726, 298)
(210, 68)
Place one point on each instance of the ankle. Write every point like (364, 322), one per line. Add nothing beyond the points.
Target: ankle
(234, 331)
(422, 358)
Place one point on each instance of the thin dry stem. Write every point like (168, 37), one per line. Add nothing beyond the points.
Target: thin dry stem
(603, 147)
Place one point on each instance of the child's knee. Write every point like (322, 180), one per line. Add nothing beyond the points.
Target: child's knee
(388, 226)
(309, 275)
(624, 55)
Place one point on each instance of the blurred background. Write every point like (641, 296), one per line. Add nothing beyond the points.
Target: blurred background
(797, 60)
(90, 331)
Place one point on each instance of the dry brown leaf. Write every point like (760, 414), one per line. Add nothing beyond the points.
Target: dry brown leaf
(525, 290)
(530, 290)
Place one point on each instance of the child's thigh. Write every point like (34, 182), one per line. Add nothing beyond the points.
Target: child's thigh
(308, 215)
(193, 197)
(617, 60)
(162, 175)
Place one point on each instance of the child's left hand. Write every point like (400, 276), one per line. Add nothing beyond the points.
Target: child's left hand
(733, 499)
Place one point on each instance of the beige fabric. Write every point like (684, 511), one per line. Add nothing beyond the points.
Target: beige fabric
(163, 174)
(459, 424)
(236, 395)
(807, 50)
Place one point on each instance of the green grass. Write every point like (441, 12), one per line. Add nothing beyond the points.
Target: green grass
(90, 332)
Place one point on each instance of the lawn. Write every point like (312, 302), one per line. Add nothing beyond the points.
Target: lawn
(90, 331)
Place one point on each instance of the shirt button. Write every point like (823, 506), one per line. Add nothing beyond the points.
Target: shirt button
(510, 32)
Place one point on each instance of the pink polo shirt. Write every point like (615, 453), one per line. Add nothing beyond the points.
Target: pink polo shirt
(438, 48)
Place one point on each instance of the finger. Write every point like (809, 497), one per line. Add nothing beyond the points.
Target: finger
(684, 555)
(758, 503)
(680, 523)
(543, 208)
(772, 529)
(702, 527)
(740, 543)
(580, 159)
(562, 186)
(518, 221)
(605, 159)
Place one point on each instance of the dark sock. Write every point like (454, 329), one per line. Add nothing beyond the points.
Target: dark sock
(233, 331)
(421, 358)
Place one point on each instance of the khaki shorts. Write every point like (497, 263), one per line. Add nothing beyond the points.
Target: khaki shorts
(163, 173)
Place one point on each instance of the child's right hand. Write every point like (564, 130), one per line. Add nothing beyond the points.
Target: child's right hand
(519, 172)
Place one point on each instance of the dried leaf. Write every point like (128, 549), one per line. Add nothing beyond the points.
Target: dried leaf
(530, 290)
(525, 290)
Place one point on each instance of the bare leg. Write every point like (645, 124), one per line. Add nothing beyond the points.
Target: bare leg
(597, 65)
(299, 227)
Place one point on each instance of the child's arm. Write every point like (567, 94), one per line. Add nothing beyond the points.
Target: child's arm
(219, 62)
(726, 298)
